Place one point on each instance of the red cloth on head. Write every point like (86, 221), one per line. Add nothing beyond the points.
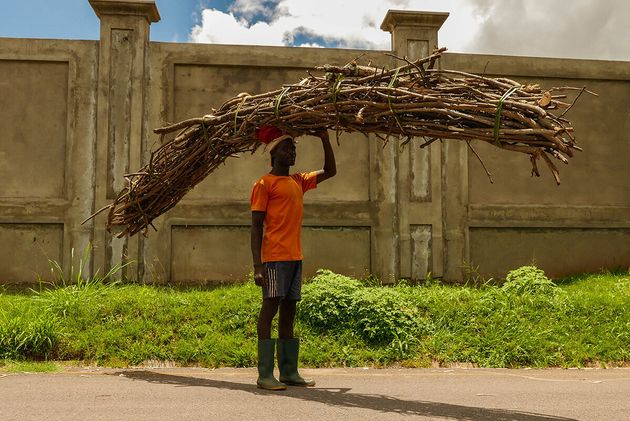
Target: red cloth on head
(266, 134)
(271, 136)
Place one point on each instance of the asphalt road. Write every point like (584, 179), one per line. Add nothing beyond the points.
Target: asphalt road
(341, 394)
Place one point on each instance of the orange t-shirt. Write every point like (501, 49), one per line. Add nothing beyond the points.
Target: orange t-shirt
(281, 197)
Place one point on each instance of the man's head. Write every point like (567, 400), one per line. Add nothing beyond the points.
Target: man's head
(284, 153)
(281, 145)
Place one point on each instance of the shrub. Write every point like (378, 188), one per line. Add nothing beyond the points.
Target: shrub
(377, 315)
(528, 280)
(328, 300)
(381, 315)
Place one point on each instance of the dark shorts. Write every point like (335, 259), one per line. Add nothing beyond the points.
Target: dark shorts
(284, 280)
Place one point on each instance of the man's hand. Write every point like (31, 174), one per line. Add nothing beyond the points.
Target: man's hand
(260, 275)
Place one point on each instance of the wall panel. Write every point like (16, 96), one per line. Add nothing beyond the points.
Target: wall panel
(341, 249)
(218, 253)
(559, 251)
(27, 249)
(421, 251)
(210, 253)
(34, 116)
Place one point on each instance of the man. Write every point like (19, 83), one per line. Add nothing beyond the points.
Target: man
(276, 205)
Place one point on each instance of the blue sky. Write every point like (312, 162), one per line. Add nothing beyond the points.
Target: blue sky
(591, 29)
(75, 19)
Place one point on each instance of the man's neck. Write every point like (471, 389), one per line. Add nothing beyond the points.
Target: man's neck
(280, 170)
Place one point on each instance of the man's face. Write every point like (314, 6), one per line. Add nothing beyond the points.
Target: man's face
(284, 154)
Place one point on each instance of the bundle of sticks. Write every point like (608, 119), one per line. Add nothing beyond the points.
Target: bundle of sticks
(414, 102)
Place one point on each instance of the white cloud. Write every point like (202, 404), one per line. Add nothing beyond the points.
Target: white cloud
(562, 28)
(221, 28)
(355, 25)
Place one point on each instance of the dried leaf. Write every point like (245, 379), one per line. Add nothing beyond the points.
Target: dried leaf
(545, 100)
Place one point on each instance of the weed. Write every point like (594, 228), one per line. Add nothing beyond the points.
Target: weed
(67, 296)
(28, 335)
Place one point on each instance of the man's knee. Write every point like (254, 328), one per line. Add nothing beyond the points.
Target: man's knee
(273, 302)
(269, 307)
(288, 304)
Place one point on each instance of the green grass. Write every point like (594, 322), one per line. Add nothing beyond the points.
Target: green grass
(527, 322)
(28, 366)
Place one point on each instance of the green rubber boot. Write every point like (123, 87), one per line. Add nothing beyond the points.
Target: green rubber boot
(266, 380)
(288, 351)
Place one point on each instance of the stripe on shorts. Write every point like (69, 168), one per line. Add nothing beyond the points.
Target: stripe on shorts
(272, 278)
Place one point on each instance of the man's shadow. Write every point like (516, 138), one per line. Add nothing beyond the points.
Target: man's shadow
(343, 398)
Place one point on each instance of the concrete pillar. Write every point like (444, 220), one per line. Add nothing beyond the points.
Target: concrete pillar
(384, 197)
(418, 180)
(121, 117)
(414, 34)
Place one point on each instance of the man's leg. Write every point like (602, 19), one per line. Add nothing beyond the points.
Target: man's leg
(286, 319)
(268, 311)
(267, 346)
(292, 275)
(288, 346)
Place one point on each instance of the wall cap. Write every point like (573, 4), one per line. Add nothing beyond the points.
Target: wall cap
(396, 18)
(146, 8)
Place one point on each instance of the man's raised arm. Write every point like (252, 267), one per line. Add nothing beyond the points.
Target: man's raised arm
(330, 166)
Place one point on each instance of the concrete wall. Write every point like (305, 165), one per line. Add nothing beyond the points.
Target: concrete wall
(77, 115)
